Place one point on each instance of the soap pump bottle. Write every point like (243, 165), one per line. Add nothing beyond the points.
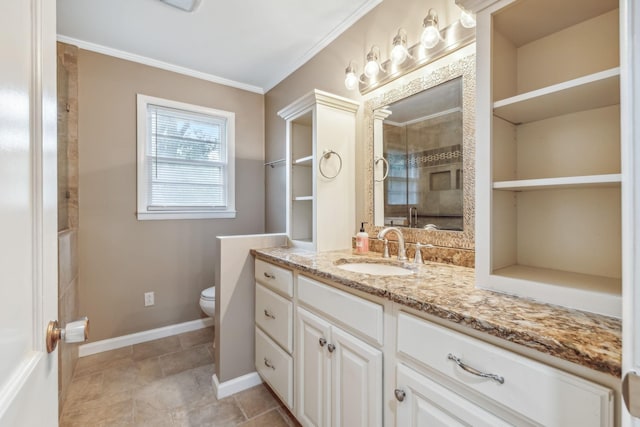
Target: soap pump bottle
(362, 240)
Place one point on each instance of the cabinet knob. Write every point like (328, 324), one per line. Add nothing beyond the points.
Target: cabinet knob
(268, 364)
(400, 394)
(322, 342)
(331, 348)
(269, 275)
(268, 314)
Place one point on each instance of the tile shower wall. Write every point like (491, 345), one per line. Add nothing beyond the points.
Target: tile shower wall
(67, 86)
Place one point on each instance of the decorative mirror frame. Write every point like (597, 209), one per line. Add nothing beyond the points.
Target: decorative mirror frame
(464, 68)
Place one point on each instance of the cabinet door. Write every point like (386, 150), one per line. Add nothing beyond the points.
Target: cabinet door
(427, 404)
(356, 389)
(313, 370)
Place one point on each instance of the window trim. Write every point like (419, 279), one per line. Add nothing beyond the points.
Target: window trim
(143, 213)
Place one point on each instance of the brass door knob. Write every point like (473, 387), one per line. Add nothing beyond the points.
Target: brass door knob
(76, 331)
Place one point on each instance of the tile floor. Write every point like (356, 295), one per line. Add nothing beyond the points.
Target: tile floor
(166, 382)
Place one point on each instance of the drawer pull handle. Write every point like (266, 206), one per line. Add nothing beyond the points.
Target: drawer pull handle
(269, 275)
(269, 314)
(322, 342)
(331, 348)
(400, 394)
(268, 364)
(496, 378)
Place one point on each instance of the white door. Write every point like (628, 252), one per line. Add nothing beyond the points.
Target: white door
(313, 377)
(356, 389)
(28, 212)
(630, 117)
(425, 403)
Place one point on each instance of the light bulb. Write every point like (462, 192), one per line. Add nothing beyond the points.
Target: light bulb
(467, 19)
(398, 54)
(372, 69)
(350, 80)
(431, 34)
(430, 37)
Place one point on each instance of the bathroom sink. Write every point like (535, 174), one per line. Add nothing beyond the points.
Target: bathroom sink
(376, 269)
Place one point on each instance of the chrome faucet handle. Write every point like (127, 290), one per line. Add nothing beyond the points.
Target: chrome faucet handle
(385, 249)
(417, 259)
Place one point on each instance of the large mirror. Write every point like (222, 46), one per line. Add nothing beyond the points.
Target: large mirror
(420, 152)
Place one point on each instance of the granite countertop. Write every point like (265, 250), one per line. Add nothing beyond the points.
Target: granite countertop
(449, 292)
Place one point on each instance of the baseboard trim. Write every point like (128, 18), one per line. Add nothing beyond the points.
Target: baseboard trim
(235, 385)
(144, 336)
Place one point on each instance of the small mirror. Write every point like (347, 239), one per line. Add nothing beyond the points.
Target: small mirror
(420, 171)
(421, 156)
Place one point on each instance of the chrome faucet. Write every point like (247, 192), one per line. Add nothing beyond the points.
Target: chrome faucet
(402, 252)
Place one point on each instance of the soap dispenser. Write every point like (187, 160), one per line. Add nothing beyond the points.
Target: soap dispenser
(362, 240)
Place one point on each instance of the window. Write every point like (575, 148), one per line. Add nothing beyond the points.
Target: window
(185, 161)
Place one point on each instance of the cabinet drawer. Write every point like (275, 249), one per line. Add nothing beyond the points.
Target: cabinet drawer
(539, 392)
(277, 278)
(274, 314)
(275, 367)
(359, 314)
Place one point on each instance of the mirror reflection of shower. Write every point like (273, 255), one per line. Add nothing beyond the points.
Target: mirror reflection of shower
(422, 143)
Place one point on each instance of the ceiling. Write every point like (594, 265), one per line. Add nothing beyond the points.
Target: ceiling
(250, 44)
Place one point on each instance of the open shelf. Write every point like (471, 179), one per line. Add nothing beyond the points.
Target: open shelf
(303, 198)
(587, 292)
(589, 181)
(584, 93)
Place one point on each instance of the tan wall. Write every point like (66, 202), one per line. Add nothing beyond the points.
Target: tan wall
(325, 71)
(120, 257)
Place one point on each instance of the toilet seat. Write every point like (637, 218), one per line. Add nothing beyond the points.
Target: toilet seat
(208, 294)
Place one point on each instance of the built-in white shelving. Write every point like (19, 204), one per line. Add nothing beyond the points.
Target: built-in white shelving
(317, 122)
(584, 93)
(548, 202)
(590, 181)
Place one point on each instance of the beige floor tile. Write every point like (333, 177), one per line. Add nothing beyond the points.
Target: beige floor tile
(175, 391)
(197, 337)
(148, 370)
(156, 348)
(98, 362)
(269, 419)
(288, 417)
(186, 359)
(146, 415)
(221, 413)
(110, 414)
(256, 400)
(83, 389)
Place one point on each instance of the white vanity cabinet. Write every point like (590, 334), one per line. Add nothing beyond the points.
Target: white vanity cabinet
(339, 376)
(274, 328)
(460, 373)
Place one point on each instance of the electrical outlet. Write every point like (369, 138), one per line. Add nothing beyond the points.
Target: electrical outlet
(149, 299)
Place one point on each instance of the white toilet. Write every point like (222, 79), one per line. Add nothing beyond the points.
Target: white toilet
(208, 301)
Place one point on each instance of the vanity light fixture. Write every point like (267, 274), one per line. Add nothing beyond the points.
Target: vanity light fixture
(431, 33)
(399, 52)
(351, 80)
(433, 44)
(467, 19)
(372, 68)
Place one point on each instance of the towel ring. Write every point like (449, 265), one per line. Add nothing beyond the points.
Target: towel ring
(325, 155)
(385, 164)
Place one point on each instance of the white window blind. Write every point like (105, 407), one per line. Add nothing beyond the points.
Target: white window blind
(186, 161)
